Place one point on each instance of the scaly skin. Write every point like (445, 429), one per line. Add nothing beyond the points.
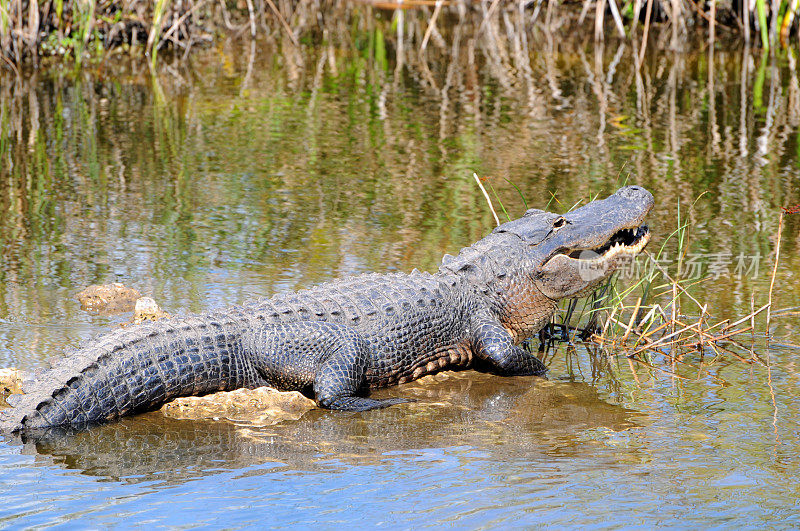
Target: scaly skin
(339, 339)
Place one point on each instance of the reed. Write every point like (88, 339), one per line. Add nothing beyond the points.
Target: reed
(155, 28)
(56, 27)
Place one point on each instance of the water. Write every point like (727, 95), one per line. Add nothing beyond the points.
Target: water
(246, 171)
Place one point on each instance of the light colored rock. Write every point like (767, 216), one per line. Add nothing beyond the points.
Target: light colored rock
(10, 381)
(146, 309)
(108, 298)
(257, 407)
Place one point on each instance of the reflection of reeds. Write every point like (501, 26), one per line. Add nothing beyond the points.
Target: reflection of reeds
(539, 112)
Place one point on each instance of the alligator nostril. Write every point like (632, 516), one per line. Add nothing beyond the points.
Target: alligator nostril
(635, 193)
(631, 191)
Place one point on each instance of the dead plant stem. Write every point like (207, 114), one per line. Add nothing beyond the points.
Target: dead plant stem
(774, 271)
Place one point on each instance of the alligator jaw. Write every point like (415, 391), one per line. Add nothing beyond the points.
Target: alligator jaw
(625, 243)
(596, 240)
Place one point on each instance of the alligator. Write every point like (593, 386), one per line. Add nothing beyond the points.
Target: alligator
(337, 341)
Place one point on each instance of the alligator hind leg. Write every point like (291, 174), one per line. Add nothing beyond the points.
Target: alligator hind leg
(329, 358)
(339, 379)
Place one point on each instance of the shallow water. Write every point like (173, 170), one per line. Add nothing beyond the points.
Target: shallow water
(246, 171)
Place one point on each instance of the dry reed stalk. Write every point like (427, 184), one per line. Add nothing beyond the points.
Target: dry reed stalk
(646, 31)
(706, 330)
(488, 199)
(633, 319)
(660, 341)
(674, 305)
(599, 14)
(677, 342)
(675, 283)
(743, 319)
(663, 326)
(740, 358)
(724, 322)
(699, 329)
(774, 271)
(620, 324)
(431, 25)
(785, 314)
(746, 23)
(791, 310)
(251, 13)
(177, 23)
(488, 15)
(704, 336)
(712, 26)
(617, 18)
(610, 318)
(601, 340)
(282, 20)
(711, 339)
(719, 338)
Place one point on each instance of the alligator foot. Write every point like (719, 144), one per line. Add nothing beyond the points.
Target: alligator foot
(495, 346)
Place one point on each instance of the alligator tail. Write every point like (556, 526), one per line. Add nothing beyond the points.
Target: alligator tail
(135, 369)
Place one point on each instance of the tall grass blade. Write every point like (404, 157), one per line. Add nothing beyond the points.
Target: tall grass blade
(155, 30)
(761, 12)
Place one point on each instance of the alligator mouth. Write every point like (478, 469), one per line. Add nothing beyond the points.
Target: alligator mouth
(624, 243)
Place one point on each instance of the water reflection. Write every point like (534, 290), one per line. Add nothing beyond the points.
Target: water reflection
(289, 171)
(472, 410)
(256, 168)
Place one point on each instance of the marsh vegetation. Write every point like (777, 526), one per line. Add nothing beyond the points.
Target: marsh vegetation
(94, 30)
(249, 166)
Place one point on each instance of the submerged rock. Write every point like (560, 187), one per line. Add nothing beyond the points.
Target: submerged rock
(108, 298)
(257, 407)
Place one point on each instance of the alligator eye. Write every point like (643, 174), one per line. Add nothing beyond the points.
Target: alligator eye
(560, 222)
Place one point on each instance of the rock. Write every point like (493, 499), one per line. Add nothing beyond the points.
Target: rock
(256, 407)
(10, 381)
(146, 309)
(108, 298)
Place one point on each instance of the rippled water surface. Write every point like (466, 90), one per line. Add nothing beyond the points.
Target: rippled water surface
(246, 171)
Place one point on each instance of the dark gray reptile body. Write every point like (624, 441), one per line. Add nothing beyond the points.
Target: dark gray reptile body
(337, 340)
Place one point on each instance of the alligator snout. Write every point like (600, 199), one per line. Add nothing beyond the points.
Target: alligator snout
(638, 194)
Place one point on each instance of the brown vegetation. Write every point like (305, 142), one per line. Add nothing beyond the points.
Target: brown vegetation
(90, 28)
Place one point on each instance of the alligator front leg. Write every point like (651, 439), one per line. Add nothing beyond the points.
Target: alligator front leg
(493, 344)
(330, 359)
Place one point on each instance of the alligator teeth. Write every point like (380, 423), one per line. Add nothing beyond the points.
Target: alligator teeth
(639, 237)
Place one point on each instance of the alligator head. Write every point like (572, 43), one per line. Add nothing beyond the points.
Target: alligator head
(529, 263)
(587, 245)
